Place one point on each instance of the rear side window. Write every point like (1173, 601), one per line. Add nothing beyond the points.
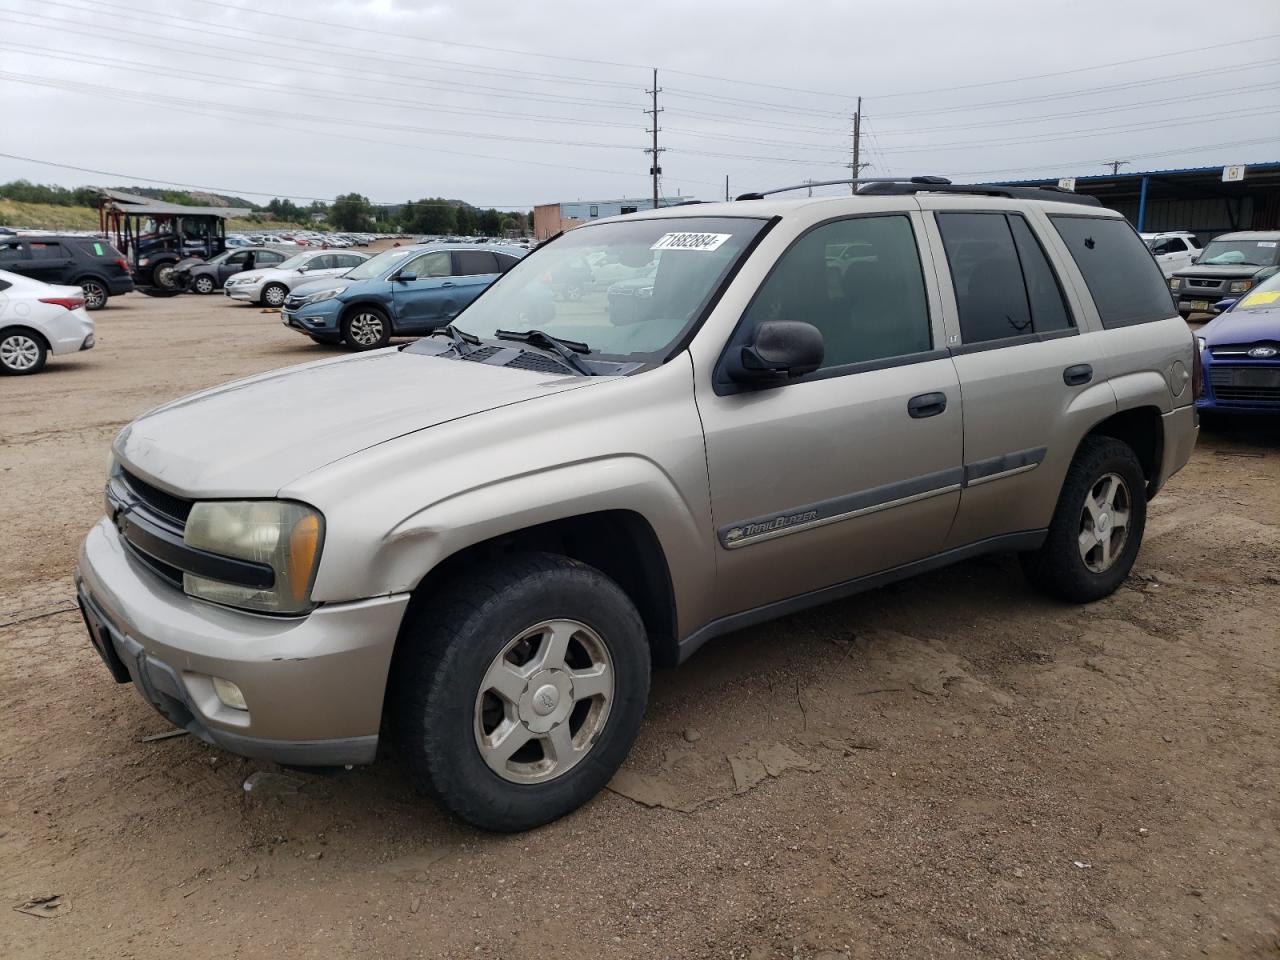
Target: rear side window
(268, 256)
(1126, 284)
(506, 262)
(472, 263)
(1169, 245)
(1003, 282)
(859, 281)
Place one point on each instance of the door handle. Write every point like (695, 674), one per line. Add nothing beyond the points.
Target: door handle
(926, 405)
(1078, 375)
(447, 283)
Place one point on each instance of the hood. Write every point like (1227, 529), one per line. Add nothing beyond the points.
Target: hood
(1235, 271)
(254, 436)
(1243, 326)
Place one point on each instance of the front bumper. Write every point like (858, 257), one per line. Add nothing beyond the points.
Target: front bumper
(249, 293)
(1240, 386)
(314, 685)
(319, 319)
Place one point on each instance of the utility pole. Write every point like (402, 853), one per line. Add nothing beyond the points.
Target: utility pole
(655, 170)
(726, 188)
(857, 166)
(1115, 165)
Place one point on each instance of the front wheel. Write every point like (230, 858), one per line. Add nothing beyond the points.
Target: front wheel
(1097, 526)
(366, 328)
(202, 284)
(521, 691)
(95, 294)
(274, 294)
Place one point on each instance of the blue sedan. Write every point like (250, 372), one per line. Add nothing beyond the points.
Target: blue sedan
(1240, 349)
(405, 291)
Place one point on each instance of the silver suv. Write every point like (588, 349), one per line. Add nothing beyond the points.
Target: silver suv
(488, 537)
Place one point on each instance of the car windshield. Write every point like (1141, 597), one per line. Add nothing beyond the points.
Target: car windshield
(294, 262)
(629, 289)
(377, 266)
(1256, 253)
(1265, 297)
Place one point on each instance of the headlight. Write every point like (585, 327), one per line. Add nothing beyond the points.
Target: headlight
(1240, 286)
(1200, 343)
(250, 279)
(284, 535)
(1175, 283)
(323, 295)
(144, 261)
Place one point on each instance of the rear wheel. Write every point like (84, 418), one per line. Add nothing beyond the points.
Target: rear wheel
(521, 690)
(202, 284)
(1097, 526)
(366, 328)
(22, 351)
(95, 293)
(274, 294)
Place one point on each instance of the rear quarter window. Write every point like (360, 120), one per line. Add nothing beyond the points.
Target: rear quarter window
(1124, 281)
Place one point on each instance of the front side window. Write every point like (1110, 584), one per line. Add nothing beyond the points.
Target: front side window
(652, 280)
(434, 264)
(859, 281)
(46, 251)
(1124, 281)
(294, 262)
(1169, 245)
(234, 260)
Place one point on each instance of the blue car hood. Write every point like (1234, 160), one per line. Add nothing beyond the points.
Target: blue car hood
(1243, 326)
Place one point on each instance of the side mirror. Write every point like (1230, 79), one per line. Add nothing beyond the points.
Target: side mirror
(406, 277)
(1222, 306)
(778, 350)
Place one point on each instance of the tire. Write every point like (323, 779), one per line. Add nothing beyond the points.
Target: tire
(164, 276)
(366, 328)
(96, 294)
(274, 295)
(1076, 563)
(203, 284)
(449, 717)
(22, 352)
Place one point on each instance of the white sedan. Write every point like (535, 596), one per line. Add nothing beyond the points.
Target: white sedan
(38, 319)
(270, 287)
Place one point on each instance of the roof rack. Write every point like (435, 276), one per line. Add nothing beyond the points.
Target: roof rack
(901, 186)
(940, 181)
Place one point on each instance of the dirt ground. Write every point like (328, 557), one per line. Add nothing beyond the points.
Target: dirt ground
(950, 767)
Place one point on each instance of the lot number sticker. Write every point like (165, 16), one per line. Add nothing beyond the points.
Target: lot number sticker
(691, 241)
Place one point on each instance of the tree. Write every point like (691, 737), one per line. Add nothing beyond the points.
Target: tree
(466, 220)
(490, 222)
(432, 215)
(351, 211)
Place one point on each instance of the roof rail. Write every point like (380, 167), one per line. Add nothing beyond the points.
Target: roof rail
(922, 181)
(898, 188)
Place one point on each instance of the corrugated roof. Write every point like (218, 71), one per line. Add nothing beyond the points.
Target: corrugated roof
(1139, 174)
(177, 209)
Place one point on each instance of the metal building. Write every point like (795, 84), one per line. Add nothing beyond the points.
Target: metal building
(552, 218)
(1208, 201)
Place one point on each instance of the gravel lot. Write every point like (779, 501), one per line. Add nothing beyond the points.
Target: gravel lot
(950, 767)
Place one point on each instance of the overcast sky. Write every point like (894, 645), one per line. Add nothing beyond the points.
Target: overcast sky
(516, 103)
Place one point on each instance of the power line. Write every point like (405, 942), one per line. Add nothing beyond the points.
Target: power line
(1067, 164)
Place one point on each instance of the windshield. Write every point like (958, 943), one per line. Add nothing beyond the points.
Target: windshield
(1257, 253)
(294, 262)
(629, 289)
(377, 266)
(1265, 297)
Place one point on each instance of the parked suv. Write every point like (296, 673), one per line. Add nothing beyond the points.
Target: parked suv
(405, 291)
(90, 263)
(1228, 267)
(494, 532)
(1173, 250)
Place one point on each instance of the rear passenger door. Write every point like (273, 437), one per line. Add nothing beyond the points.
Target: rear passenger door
(473, 270)
(854, 468)
(1032, 378)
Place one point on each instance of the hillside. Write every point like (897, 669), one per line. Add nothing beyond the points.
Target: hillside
(47, 216)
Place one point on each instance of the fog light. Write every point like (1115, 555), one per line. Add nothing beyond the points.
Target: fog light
(229, 694)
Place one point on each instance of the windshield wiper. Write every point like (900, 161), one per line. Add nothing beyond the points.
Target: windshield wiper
(566, 350)
(463, 343)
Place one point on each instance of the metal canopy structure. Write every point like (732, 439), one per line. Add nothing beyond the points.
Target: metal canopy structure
(1198, 199)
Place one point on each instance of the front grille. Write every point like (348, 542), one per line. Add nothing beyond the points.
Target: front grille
(293, 303)
(166, 506)
(163, 570)
(1204, 284)
(1251, 384)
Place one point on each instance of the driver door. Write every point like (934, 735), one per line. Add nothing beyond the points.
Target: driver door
(233, 264)
(420, 290)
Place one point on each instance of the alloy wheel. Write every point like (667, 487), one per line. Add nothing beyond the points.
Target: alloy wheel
(366, 329)
(95, 295)
(1104, 523)
(275, 296)
(544, 701)
(19, 352)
